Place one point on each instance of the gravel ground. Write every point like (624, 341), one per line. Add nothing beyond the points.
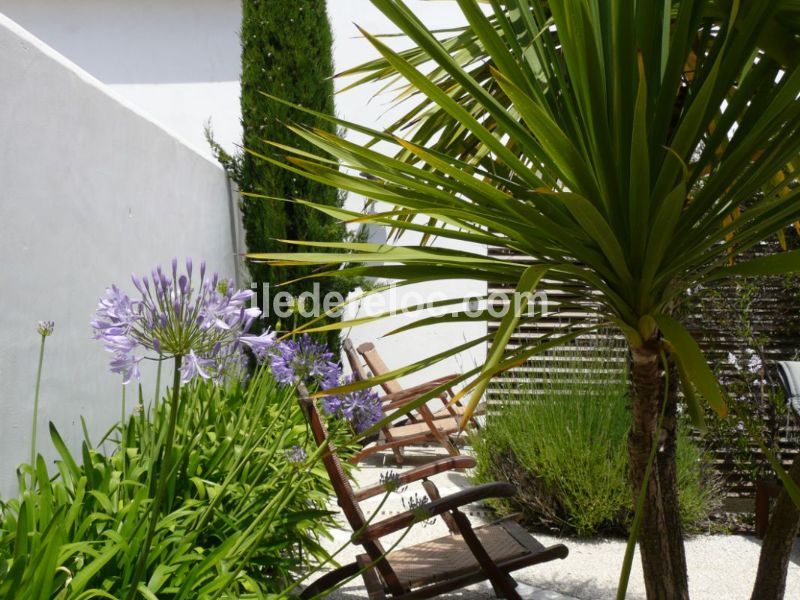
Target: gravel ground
(721, 567)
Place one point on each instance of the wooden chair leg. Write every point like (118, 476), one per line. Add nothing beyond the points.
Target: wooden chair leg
(372, 582)
(433, 494)
(503, 584)
(440, 437)
(396, 450)
(398, 456)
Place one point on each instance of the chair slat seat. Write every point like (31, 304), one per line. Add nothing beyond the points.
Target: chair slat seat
(444, 425)
(449, 557)
(423, 427)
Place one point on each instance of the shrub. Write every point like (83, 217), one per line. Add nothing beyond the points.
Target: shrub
(243, 514)
(563, 441)
(286, 52)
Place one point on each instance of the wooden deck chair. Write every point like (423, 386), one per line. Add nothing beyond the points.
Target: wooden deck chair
(421, 426)
(426, 570)
(392, 386)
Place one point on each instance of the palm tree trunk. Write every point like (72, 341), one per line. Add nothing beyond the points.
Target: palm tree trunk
(660, 536)
(778, 542)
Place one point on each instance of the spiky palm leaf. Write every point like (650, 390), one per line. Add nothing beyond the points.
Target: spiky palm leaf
(633, 149)
(611, 143)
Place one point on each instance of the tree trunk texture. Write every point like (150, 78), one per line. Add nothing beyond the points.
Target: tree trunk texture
(661, 535)
(778, 543)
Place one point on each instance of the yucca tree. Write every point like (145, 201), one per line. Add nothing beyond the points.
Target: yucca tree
(633, 149)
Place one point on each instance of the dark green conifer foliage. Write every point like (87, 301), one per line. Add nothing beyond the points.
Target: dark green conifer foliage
(286, 52)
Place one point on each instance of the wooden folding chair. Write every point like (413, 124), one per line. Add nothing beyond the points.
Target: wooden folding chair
(420, 426)
(426, 570)
(392, 386)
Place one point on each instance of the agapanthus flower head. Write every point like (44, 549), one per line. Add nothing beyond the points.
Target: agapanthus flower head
(304, 361)
(418, 505)
(173, 315)
(390, 480)
(296, 455)
(361, 408)
(45, 328)
(754, 363)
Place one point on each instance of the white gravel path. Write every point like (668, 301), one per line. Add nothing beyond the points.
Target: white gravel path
(721, 567)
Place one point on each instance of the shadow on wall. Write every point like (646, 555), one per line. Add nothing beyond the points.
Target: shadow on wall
(142, 42)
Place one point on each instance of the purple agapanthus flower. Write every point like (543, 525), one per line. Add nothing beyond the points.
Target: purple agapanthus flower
(361, 408)
(304, 361)
(259, 344)
(204, 323)
(296, 455)
(127, 365)
(194, 365)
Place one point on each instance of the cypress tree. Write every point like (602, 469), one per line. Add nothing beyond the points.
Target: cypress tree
(286, 52)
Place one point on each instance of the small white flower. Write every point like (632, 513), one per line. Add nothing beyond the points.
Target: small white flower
(45, 328)
(754, 363)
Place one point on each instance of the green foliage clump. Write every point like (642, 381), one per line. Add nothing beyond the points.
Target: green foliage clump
(242, 517)
(746, 326)
(562, 439)
(286, 52)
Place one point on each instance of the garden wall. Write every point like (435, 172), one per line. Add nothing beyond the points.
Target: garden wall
(91, 190)
(177, 60)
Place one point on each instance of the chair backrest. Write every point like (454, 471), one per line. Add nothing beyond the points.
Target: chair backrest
(378, 367)
(342, 488)
(359, 372)
(789, 373)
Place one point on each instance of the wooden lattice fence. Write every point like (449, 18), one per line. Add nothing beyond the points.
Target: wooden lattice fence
(729, 320)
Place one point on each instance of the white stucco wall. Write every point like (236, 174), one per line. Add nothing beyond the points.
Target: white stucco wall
(176, 62)
(361, 105)
(91, 190)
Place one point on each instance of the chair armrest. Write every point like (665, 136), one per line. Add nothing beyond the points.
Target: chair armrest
(423, 472)
(433, 508)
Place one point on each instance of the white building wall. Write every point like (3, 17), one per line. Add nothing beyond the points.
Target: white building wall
(177, 60)
(177, 63)
(91, 190)
(360, 105)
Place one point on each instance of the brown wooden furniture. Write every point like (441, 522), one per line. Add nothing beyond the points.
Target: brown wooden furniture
(419, 426)
(392, 386)
(426, 570)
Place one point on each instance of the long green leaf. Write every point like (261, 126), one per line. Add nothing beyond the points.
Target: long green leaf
(693, 362)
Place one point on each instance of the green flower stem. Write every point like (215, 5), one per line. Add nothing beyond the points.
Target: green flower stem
(158, 383)
(36, 403)
(163, 472)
